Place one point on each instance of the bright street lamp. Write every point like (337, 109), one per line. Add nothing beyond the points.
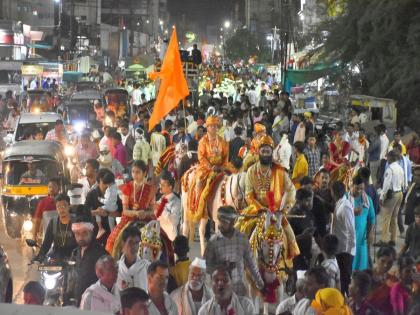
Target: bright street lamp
(160, 22)
(227, 24)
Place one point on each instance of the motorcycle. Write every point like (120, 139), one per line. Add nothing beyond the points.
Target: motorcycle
(56, 275)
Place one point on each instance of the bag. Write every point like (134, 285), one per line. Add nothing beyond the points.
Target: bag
(389, 194)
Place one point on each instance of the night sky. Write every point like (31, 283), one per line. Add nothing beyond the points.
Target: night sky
(204, 12)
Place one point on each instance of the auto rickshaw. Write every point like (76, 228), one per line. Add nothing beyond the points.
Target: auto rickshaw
(27, 167)
(377, 110)
(117, 101)
(79, 115)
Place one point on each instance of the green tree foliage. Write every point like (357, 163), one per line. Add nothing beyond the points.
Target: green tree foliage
(382, 37)
(243, 44)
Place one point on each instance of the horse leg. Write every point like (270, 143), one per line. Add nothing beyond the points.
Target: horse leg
(202, 232)
(188, 228)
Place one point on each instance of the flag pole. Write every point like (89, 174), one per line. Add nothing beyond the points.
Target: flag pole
(185, 115)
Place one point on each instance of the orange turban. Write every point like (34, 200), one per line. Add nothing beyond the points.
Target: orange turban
(266, 140)
(330, 301)
(212, 120)
(259, 128)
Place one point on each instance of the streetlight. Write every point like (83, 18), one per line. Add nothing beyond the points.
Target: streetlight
(227, 24)
(160, 22)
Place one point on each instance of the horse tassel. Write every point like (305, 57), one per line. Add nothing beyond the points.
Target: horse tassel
(271, 202)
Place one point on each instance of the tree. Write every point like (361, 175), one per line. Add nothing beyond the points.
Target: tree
(382, 38)
(242, 45)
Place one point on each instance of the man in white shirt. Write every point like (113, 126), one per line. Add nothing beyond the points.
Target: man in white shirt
(225, 301)
(168, 208)
(384, 148)
(34, 84)
(192, 295)
(89, 180)
(157, 144)
(352, 137)
(103, 296)
(289, 304)
(157, 281)
(315, 278)
(132, 270)
(283, 152)
(343, 226)
(252, 96)
(13, 118)
(136, 97)
(384, 142)
(391, 197)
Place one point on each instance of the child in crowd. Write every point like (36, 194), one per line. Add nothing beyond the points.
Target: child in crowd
(109, 201)
(330, 249)
(181, 268)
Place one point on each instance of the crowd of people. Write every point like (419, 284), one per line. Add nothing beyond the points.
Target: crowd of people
(336, 188)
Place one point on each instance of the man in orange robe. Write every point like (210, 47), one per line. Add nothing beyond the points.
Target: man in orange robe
(213, 153)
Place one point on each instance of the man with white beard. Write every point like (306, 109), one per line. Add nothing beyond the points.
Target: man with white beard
(192, 295)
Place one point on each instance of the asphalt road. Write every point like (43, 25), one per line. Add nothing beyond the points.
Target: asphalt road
(19, 256)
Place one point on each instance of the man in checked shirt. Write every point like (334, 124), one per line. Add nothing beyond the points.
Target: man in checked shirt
(230, 248)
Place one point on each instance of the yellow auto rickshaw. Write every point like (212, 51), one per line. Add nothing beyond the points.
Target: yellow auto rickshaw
(27, 168)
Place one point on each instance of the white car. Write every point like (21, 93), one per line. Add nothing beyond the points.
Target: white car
(6, 281)
(32, 121)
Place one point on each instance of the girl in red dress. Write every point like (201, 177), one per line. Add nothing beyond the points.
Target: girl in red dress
(138, 201)
(339, 149)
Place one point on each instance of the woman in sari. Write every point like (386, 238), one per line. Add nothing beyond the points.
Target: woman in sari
(401, 292)
(339, 149)
(138, 200)
(382, 280)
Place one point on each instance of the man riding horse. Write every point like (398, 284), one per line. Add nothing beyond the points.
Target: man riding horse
(265, 176)
(212, 162)
(269, 194)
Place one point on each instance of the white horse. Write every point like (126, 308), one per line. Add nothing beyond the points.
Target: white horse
(268, 240)
(230, 191)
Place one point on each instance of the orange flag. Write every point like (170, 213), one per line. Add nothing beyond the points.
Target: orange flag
(173, 86)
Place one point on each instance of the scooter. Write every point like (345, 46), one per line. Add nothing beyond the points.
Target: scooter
(55, 275)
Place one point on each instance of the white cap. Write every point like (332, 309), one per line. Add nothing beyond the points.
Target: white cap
(198, 262)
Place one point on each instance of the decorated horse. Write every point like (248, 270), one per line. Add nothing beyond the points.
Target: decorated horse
(228, 190)
(155, 244)
(274, 246)
(170, 161)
